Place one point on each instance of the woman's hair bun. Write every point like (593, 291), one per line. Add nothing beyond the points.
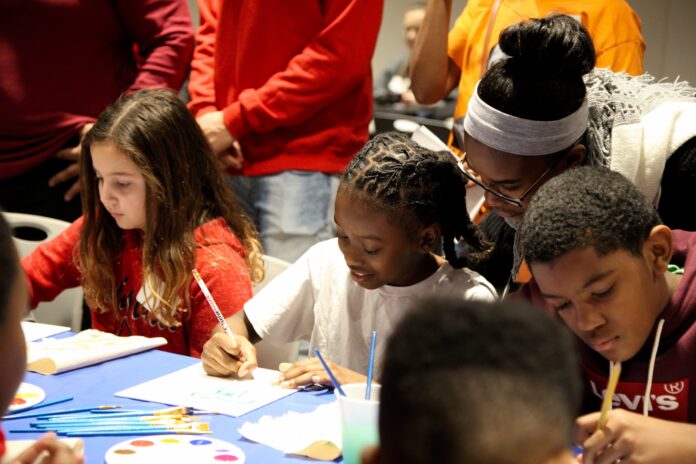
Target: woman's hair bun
(556, 46)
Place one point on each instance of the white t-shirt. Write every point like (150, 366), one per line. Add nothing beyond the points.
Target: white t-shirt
(317, 300)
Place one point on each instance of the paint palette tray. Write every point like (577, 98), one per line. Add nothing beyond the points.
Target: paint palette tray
(174, 449)
(27, 395)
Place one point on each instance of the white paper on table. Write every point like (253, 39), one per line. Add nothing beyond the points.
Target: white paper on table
(426, 139)
(55, 355)
(37, 331)
(294, 432)
(193, 388)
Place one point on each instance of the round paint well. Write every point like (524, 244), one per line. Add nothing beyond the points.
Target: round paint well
(225, 458)
(200, 442)
(141, 443)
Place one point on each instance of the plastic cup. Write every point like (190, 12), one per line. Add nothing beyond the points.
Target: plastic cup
(358, 420)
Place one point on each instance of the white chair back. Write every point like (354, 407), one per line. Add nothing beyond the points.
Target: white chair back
(268, 355)
(66, 309)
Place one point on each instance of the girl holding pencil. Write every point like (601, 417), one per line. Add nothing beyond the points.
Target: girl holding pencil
(155, 205)
(397, 203)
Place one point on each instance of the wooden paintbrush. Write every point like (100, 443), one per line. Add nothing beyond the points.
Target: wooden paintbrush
(614, 373)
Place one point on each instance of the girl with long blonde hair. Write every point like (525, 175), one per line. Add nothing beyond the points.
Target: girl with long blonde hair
(155, 206)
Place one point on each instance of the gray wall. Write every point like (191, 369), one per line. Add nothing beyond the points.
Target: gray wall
(390, 42)
(669, 28)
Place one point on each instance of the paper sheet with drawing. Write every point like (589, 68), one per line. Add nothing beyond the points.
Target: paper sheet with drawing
(192, 387)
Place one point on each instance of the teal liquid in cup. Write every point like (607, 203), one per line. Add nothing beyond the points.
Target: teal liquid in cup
(355, 438)
(359, 419)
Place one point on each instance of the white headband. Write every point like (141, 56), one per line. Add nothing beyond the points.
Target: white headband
(520, 136)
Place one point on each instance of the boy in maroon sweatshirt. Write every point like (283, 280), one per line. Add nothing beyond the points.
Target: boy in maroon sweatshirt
(600, 257)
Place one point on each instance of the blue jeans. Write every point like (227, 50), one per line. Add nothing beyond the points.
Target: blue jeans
(293, 209)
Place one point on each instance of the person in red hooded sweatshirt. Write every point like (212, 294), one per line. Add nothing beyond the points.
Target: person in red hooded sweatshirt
(625, 284)
(62, 63)
(283, 91)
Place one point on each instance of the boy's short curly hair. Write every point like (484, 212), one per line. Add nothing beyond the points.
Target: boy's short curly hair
(467, 381)
(582, 207)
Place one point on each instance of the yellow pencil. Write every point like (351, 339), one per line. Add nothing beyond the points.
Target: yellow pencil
(615, 372)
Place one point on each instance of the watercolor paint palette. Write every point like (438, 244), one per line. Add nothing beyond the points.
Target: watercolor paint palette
(174, 449)
(27, 395)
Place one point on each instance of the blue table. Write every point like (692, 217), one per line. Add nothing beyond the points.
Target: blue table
(95, 385)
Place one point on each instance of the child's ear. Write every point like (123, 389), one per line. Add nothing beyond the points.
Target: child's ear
(370, 455)
(658, 249)
(429, 238)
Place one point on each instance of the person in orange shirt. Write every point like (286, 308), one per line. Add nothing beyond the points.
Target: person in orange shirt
(545, 108)
(441, 61)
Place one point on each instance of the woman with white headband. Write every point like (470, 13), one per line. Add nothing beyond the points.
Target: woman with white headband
(544, 108)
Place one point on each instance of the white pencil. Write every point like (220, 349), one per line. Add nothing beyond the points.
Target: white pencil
(214, 306)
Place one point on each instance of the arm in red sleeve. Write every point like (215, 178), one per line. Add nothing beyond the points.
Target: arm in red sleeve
(201, 85)
(337, 59)
(227, 277)
(51, 267)
(163, 32)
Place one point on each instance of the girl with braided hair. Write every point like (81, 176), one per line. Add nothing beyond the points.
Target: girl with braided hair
(397, 203)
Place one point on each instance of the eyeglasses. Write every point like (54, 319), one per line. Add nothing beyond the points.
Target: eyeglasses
(513, 201)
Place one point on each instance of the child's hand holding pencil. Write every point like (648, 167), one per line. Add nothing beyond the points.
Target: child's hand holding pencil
(225, 356)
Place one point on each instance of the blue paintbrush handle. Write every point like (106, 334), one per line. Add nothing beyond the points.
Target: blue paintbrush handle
(333, 378)
(36, 406)
(118, 433)
(370, 366)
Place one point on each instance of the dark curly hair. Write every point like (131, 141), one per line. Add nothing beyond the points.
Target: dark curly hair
(468, 381)
(417, 187)
(582, 207)
(542, 77)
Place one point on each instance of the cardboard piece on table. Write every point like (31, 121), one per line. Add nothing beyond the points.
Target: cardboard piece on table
(321, 450)
(316, 434)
